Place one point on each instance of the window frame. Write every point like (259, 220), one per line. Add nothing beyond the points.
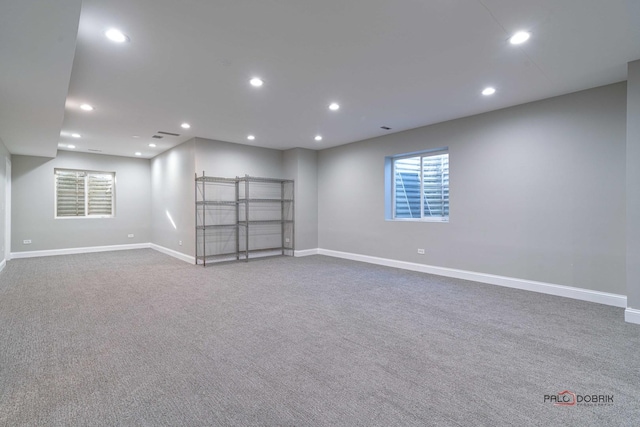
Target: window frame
(86, 173)
(391, 194)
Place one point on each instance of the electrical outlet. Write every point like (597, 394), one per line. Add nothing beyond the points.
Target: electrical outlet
(26, 242)
(421, 251)
(180, 242)
(129, 235)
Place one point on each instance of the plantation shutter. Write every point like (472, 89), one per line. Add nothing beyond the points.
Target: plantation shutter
(70, 193)
(421, 186)
(407, 187)
(435, 181)
(100, 194)
(84, 193)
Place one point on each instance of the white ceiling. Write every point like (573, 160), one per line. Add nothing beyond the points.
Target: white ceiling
(401, 63)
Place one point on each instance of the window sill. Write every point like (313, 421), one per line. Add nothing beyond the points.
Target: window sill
(436, 220)
(86, 217)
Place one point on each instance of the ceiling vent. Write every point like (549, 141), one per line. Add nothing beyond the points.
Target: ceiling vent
(168, 133)
(157, 137)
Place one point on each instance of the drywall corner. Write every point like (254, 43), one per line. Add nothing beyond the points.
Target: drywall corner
(173, 199)
(301, 165)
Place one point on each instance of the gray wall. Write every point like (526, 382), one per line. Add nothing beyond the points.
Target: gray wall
(218, 158)
(173, 185)
(302, 166)
(4, 154)
(633, 185)
(32, 199)
(537, 192)
(172, 194)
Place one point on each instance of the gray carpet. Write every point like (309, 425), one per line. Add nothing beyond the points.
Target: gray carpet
(138, 338)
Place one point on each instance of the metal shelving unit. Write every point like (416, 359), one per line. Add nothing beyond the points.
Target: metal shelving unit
(243, 217)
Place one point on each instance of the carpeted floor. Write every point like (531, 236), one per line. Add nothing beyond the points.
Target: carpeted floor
(138, 338)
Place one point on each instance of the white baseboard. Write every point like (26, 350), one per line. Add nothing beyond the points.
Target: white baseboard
(184, 257)
(72, 251)
(307, 252)
(510, 282)
(631, 315)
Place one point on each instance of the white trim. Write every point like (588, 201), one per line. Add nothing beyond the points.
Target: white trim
(175, 254)
(306, 252)
(7, 210)
(3, 264)
(605, 298)
(71, 251)
(631, 315)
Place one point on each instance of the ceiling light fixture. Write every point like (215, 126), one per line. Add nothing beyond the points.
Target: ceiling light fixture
(152, 145)
(251, 137)
(116, 35)
(86, 107)
(318, 138)
(71, 146)
(334, 106)
(519, 37)
(75, 135)
(185, 126)
(137, 153)
(488, 91)
(256, 82)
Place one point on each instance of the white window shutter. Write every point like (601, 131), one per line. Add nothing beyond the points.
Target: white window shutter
(70, 193)
(84, 193)
(421, 186)
(100, 194)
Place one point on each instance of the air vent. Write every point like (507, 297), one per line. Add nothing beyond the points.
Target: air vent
(157, 137)
(168, 133)
(385, 127)
(94, 150)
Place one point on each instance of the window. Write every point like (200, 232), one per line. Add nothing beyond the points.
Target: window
(420, 186)
(84, 194)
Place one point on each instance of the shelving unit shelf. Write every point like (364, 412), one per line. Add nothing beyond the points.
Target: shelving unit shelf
(243, 217)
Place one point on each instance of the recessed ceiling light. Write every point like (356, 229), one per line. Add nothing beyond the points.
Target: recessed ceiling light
(318, 138)
(488, 91)
(185, 126)
(71, 146)
(86, 107)
(152, 145)
(116, 35)
(138, 153)
(519, 37)
(75, 135)
(334, 106)
(251, 137)
(257, 82)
